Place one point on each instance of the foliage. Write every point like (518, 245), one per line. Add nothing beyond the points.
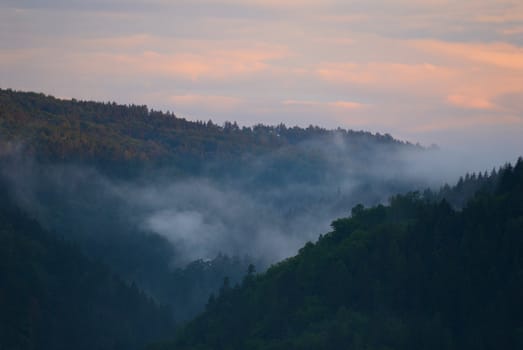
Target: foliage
(466, 187)
(123, 138)
(415, 274)
(52, 297)
(79, 148)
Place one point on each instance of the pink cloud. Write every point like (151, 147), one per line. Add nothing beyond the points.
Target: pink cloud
(463, 122)
(502, 55)
(347, 105)
(336, 104)
(220, 64)
(470, 102)
(386, 75)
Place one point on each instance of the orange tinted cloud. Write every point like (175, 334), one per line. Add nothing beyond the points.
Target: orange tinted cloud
(466, 122)
(386, 75)
(498, 54)
(484, 72)
(470, 102)
(311, 51)
(222, 64)
(467, 76)
(193, 59)
(347, 105)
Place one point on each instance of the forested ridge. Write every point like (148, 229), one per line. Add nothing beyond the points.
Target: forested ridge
(415, 274)
(105, 187)
(108, 133)
(85, 170)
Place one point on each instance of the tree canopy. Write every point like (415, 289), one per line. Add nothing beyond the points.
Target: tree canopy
(53, 297)
(416, 274)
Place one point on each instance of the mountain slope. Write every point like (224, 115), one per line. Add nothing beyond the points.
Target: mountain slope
(52, 297)
(144, 191)
(412, 275)
(109, 134)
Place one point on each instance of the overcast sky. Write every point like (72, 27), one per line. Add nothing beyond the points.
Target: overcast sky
(433, 71)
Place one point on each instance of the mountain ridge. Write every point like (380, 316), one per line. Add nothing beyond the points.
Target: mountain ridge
(62, 129)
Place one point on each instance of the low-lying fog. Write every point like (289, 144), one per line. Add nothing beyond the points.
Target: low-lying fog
(265, 207)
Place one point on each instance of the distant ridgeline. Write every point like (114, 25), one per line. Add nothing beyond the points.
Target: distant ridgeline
(412, 275)
(56, 129)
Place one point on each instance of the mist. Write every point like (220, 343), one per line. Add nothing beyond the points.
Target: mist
(264, 207)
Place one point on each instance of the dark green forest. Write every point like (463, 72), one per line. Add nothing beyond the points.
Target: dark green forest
(119, 225)
(76, 166)
(53, 297)
(415, 274)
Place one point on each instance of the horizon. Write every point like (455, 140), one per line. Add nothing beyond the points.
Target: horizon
(430, 73)
(221, 125)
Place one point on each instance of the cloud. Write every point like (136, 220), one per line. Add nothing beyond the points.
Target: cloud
(398, 64)
(340, 105)
(470, 102)
(211, 102)
(461, 122)
(387, 75)
(301, 103)
(224, 64)
(512, 30)
(347, 105)
(502, 55)
(142, 56)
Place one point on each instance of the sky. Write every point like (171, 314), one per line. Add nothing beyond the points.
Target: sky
(433, 71)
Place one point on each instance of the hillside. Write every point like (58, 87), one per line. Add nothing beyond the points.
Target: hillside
(53, 297)
(412, 275)
(169, 203)
(110, 134)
